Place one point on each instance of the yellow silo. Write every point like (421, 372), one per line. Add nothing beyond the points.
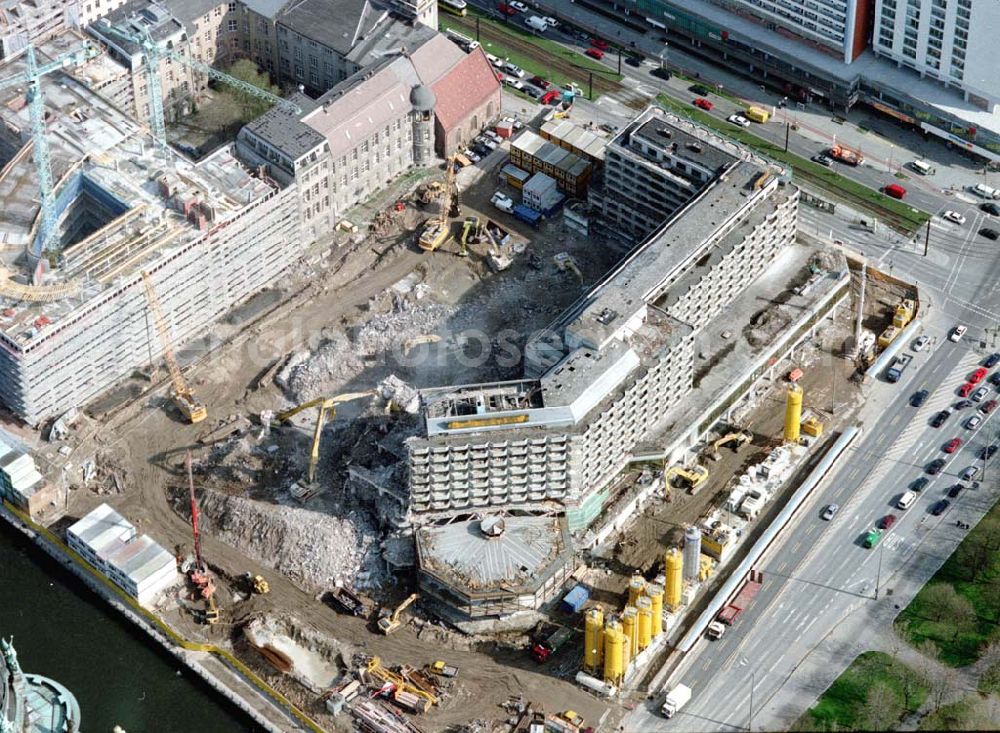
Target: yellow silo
(626, 652)
(630, 625)
(645, 624)
(655, 593)
(614, 640)
(793, 413)
(593, 648)
(675, 578)
(636, 586)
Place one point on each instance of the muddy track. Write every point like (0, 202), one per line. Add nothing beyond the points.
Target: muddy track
(602, 85)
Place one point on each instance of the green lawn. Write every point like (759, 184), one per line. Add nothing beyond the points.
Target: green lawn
(531, 65)
(843, 705)
(893, 212)
(960, 646)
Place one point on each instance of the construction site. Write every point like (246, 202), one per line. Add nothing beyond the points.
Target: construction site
(445, 464)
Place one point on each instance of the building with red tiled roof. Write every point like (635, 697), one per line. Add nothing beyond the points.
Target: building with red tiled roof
(468, 99)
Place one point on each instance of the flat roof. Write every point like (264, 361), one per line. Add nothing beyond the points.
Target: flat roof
(338, 24)
(519, 559)
(102, 530)
(141, 559)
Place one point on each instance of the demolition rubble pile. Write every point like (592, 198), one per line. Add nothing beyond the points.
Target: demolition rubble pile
(314, 550)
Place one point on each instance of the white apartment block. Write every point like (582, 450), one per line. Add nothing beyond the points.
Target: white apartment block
(949, 40)
(834, 24)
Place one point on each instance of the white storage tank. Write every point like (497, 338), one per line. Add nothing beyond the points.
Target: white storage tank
(692, 552)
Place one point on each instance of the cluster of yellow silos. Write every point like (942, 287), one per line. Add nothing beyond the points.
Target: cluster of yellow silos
(624, 636)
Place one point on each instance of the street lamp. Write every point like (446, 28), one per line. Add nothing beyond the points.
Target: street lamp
(878, 573)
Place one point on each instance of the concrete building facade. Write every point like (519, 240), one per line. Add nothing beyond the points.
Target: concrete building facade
(600, 379)
(31, 21)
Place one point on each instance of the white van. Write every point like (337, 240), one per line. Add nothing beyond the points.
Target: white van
(923, 167)
(537, 24)
(906, 500)
(985, 191)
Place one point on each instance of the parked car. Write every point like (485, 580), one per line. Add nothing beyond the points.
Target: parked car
(935, 466)
(962, 404)
(825, 160)
(988, 450)
(887, 521)
(952, 445)
(966, 389)
(921, 342)
(550, 21)
(980, 394)
(955, 490)
(514, 69)
(895, 191)
(991, 234)
(533, 92)
(987, 407)
(502, 202)
(738, 120)
(550, 97)
(992, 360)
(515, 83)
(990, 208)
(703, 103)
(518, 6)
(507, 9)
(973, 422)
(979, 375)
(497, 62)
(472, 155)
(919, 398)
(953, 216)
(540, 82)
(969, 473)
(938, 420)
(995, 378)
(940, 507)
(957, 333)
(700, 89)
(595, 53)
(920, 484)
(830, 510)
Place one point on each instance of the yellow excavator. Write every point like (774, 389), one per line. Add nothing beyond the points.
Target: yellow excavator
(389, 621)
(565, 262)
(437, 229)
(471, 232)
(193, 410)
(694, 476)
(738, 437)
(323, 405)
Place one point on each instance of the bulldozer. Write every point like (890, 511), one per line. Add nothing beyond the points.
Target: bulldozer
(257, 584)
(388, 621)
(738, 438)
(694, 476)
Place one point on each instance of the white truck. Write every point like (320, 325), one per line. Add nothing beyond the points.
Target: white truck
(537, 24)
(675, 700)
(502, 202)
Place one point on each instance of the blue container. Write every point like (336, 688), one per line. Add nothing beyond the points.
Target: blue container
(576, 599)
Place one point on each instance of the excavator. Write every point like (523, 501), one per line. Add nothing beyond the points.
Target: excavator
(437, 229)
(323, 406)
(694, 476)
(389, 621)
(193, 410)
(376, 670)
(565, 262)
(738, 437)
(472, 230)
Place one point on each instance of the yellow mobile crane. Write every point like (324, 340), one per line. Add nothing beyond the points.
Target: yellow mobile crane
(193, 410)
(324, 405)
(389, 622)
(436, 229)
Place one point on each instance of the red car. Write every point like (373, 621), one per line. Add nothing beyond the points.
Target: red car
(600, 43)
(966, 389)
(952, 445)
(550, 97)
(506, 9)
(703, 103)
(888, 520)
(987, 407)
(978, 376)
(595, 53)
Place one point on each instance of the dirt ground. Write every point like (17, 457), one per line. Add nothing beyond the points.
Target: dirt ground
(141, 443)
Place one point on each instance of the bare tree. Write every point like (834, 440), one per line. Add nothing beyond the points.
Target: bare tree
(963, 616)
(882, 709)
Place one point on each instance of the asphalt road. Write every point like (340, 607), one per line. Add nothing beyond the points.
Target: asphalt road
(823, 572)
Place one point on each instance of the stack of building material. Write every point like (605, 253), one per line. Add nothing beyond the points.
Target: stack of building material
(21, 483)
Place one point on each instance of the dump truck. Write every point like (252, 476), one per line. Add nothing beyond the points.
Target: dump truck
(739, 604)
(441, 668)
(675, 700)
(545, 646)
(346, 601)
(846, 155)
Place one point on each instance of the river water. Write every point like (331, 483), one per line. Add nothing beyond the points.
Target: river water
(120, 677)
